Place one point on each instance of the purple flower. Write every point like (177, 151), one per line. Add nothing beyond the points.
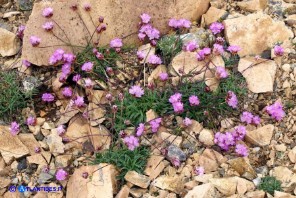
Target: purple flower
(193, 100)
(141, 55)
(221, 72)
(216, 27)
(141, 36)
(176, 162)
(47, 97)
(66, 69)
(69, 58)
(207, 51)
(88, 66)
(76, 78)
(153, 34)
(200, 55)
(155, 124)
(31, 121)
(239, 133)
(234, 49)
(231, 99)
(47, 12)
(131, 142)
(175, 98)
(14, 128)
(181, 23)
(278, 50)
(61, 130)
(163, 76)
(256, 120)
(140, 129)
(199, 171)
(116, 43)
(224, 140)
(191, 46)
(35, 41)
(67, 92)
(88, 83)
(154, 60)
(187, 121)
(246, 117)
(218, 49)
(61, 175)
(136, 91)
(185, 23)
(276, 111)
(20, 31)
(145, 18)
(26, 63)
(48, 26)
(178, 107)
(87, 7)
(241, 150)
(56, 56)
(79, 101)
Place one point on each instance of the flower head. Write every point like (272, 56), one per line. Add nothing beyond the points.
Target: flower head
(88, 66)
(47, 12)
(61, 130)
(136, 91)
(145, 18)
(178, 107)
(176, 162)
(116, 43)
(20, 31)
(231, 99)
(88, 83)
(47, 97)
(31, 121)
(131, 142)
(26, 63)
(199, 171)
(187, 122)
(61, 175)
(239, 132)
(141, 55)
(76, 78)
(79, 101)
(241, 150)
(67, 92)
(221, 72)
(14, 128)
(256, 120)
(35, 41)
(247, 117)
(48, 26)
(56, 56)
(194, 100)
(234, 49)
(163, 76)
(216, 27)
(224, 140)
(154, 60)
(191, 46)
(218, 49)
(140, 129)
(181, 23)
(175, 98)
(69, 58)
(276, 111)
(278, 50)
(155, 124)
(87, 7)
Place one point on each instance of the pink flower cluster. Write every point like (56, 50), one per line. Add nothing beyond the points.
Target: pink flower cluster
(218, 49)
(234, 49)
(140, 129)
(47, 12)
(201, 55)
(48, 26)
(31, 121)
(175, 100)
(276, 111)
(147, 30)
(116, 44)
(47, 97)
(231, 99)
(199, 171)
(249, 118)
(26, 63)
(191, 46)
(221, 72)
(216, 27)
(163, 76)
(35, 41)
(131, 142)
(194, 100)
(87, 67)
(136, 91)
(154, 60)
(20, 31)
(67, 92)
(14, 128)
(141, 55)
(61, 130)
(61, 175)
(241, 150)
(179, 23)
(155, 124)
(187, 122)
(278, 50)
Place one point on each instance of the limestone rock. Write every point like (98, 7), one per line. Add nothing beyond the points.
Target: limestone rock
(259, 74)
(96, 114)
(55, 143)
(137, 179)
(203, 178)
(213, 15)
(63, 160)
(9, 43)
(244, 168)
(124, 192)
(211, 160)
(260, 136)
(37, 159)
(172, 183)
(202, 191)
(30, 142)
(11, 146)
(291, 20)
(100, 184)
(244, 186)
(173, 139)
(227, 186)
(151, 115)
(283, 174)
(252, 5)
(278, 194)
(292, 155)
(206, 136)
(255, 33)
(122, 17)
(256, 194)
(154, 166)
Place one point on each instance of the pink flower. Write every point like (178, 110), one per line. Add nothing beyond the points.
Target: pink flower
(61, 175)
(61, 130)
(35, 41)
(141, 36)
(47, 12)
(178, 107)
(256, 120)
(224, 140)
(278, 50)
(176, 162)
(191, 46)
(181, 23)
(175, 98)
(88, 83)
(163, 76)
(185, 23)
(20, 31)
(239, 132)
(216, 27)
(155, 124)
(88, 66)
(26, 63)
(69, 58)
(67, 92)
(66, 69)
(207, 51)
(145, 18)
(56, 56)
(79, 101)
(47, 97)
(116, 43)
(136, 91)
(221, 72)
(140, 129)
(218, 49)
(220, 40)
(231, 99)
(193, 100)
(276, 111)
(200, 55)
(14, 128)
(199, 171)
(141, 55)
(246, 117)
(131, 142)
(100, 56)
(31, 121)
(76, 78)
(153, 34)
(154, 60)
(87, 7)
(48, 26)
(241, 150)
(234, 49)
(187, 122)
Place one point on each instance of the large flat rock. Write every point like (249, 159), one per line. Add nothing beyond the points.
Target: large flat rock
(121, 17)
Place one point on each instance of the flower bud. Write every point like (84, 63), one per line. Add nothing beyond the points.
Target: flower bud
(85, 175)
(101, 19)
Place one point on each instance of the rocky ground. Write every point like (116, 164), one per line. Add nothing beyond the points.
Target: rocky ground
(254, 25)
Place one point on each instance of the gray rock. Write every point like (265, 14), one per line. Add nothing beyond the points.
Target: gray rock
(175, 152)
(203, 37)
(22, 164)
(44, 178)
(25, 5)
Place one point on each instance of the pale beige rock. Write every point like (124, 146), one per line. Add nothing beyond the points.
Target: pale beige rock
(10, 14)
(206, 136)
(172, 183)
(203, 178)
(154, 76)
(227, 186)
(211, 160)
(283, 174)
(137, 192)
(194, 128)
(278, 194)
(148, 51)
(124, 192)
(11, 146)
(101, 182)
(63, 160)
(154, 166)
(227, 123)
(244, 168)
(281, 147)
(9, 43)
(66, 114)
(213, 14)
(252, 5)
(122, 17)
(259, 74)
(137, 179)
(202, 191)
(37, 159)
(256, 194)
(55, 143)
(255, 33)
(96, 114)
(292, 155)
(29, 141)
(4, 182)
(173, 139)
(150, 115)
(291, 20)
(260, 136)
(244, 186)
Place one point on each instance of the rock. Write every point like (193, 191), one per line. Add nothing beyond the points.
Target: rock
(37, 159)
(10, 44)
(124, 192)
(292, 155)
(148, 51)
(252, 5)
(291, 20)
(66, 114)
(227, 123)
(22, 164)
(241, 166)
(206, 136)
(280, 147)
(175, 152)
(101, 182)
(44, 178)
(194, 128)
(122, 18)
(286, 67)
(172, 183)
(63, 160)
(286, 84)
(259, 74)
(211, 160)
(11, 146)
(260, 136)
(203, 37)
(154, 166)
(203, 178)
(137, 192)
(262, 33)
(202, 191)
(283, 174)
(213, 14)
(170, 138)
(278, 194)
(154, 76)
(137, 179)
(55, 143)
(151, 115)
(227, 186)
(29, 141)
(10, 14)
(96, 114)
(244, 186)
(4, 182)
(25, 5)
(256, 194)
